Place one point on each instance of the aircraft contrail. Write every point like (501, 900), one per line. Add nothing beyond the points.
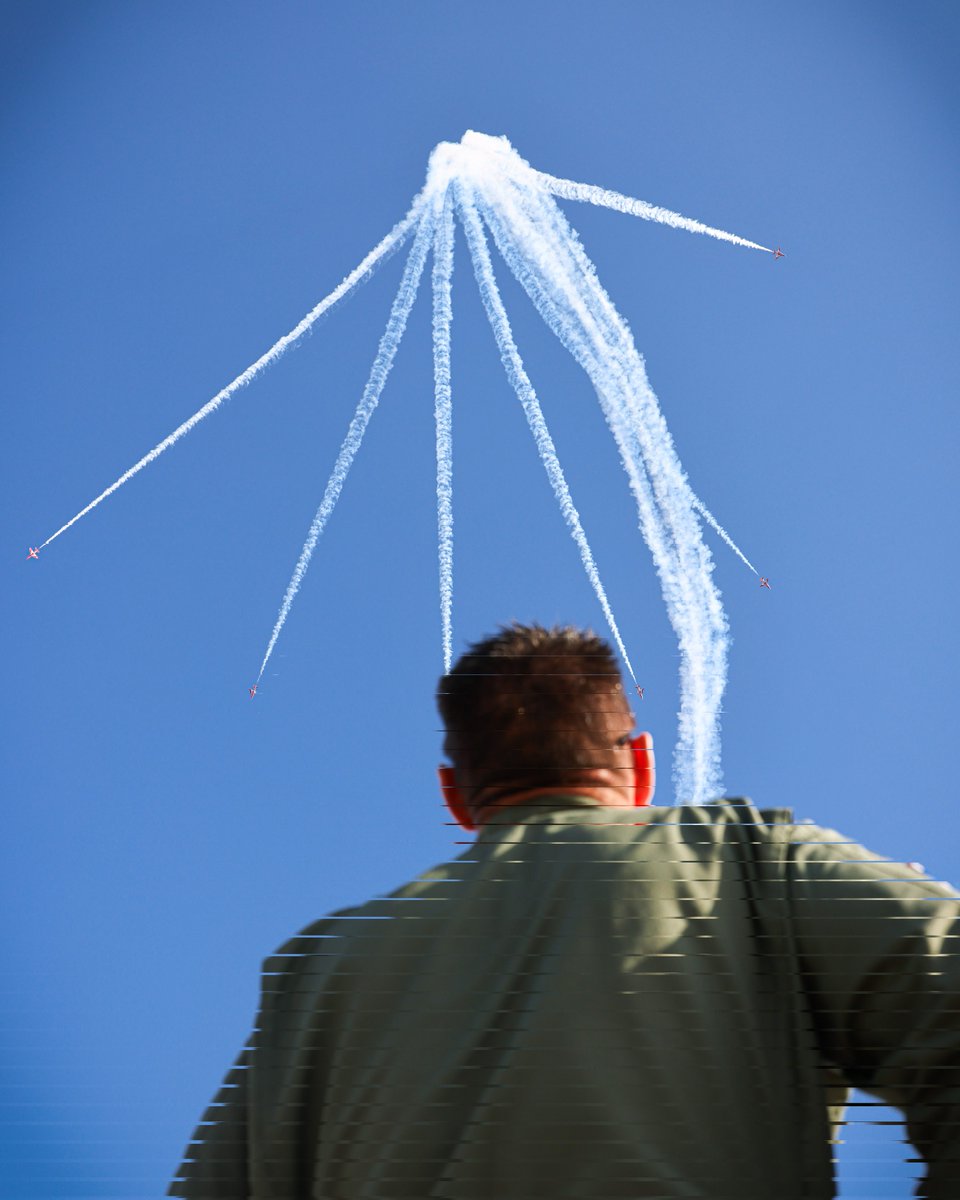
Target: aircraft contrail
(392, 242)
(567, 189)
(510, 356)
(545, 305)
(396, 325)
(708, 516)
(442, 318)
(547, 259)
(528, 225)
(485, 184)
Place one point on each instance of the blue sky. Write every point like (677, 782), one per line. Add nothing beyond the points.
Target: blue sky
(182, 183)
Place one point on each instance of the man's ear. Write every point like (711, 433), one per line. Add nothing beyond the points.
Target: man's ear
(644, 770)
(454, 799)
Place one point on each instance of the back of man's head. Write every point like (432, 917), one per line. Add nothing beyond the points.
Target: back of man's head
(532, 707)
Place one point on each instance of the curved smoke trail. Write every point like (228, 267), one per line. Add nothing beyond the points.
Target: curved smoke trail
(545, 255)
(566, 245)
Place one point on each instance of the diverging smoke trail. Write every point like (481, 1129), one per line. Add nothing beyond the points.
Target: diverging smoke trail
(442, 318)
(496, 313)
(491, 183)
(589, 192)
(530, 217)
(548, 262)
(601, 342)
(387, 246)
(386, 352)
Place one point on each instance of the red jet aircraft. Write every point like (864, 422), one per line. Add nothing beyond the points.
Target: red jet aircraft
(778, 253)
(640, 692)
(765, 582)
(34, 552)
(253, 690)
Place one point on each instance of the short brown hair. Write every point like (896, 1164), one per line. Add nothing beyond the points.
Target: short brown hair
(530, 704)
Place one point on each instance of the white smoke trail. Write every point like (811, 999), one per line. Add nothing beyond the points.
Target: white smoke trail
(490, 182)
(566, 244)
(708, 516)
(547, 259)
(510, 356)
(602, 343)
(386, 352)
(605, 198)
(585, 335)
(442, 317)
(387, 246)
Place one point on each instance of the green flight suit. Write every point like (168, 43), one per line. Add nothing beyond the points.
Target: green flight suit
(600, 1002)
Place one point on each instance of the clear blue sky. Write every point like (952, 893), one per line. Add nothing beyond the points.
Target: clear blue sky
(182, 182)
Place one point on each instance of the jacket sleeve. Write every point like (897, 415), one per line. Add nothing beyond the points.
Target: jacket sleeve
(215, 1162)
(879, 948)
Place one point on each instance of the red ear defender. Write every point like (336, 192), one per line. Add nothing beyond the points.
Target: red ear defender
(454, 800)
(644, 770)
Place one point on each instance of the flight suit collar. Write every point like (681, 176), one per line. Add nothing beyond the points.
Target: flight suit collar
(565, 809)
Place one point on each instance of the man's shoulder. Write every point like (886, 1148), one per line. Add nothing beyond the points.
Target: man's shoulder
(726, 812)
(327, 935)
(311, 942)
(743, 810)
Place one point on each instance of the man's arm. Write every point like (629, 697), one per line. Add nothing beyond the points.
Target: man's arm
(215, 1162)
(879, 947)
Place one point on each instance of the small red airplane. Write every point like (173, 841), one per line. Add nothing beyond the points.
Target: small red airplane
(253, 690)
(34, 552)
(778, 253)
(765, 582)
(640, 692)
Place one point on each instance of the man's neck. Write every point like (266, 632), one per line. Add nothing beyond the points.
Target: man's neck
(490, 800)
